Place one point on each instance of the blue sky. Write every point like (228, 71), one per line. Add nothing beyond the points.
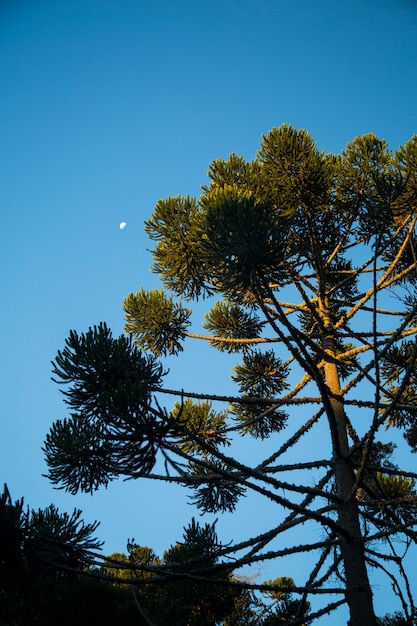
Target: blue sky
(108, 105)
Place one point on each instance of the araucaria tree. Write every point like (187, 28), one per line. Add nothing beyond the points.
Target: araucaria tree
(311, 260)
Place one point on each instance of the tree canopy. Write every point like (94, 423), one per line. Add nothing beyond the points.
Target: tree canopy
(309, 261)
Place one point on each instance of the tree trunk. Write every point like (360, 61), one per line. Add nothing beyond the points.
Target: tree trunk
(358, 589)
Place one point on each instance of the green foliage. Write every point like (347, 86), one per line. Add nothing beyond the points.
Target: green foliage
(243, 243)
(109, 378)
(294, 173)
(155, 321)
(261, 375)
(110, 385)
(232, 321)
(287, 611)
(363, 160)
(342, 283)
(78, 454)
(405, 159)
(176, 589)
(283, 585)
(199, 424)
(199, 548)
(142, 557)
(233, 172)
(284, 609)
(391, 498)
(201, 603)
(217, 487)
(399, 369)
(55, 581)
(58, 540)
(137, 564)
(174, 225)
(378, 456)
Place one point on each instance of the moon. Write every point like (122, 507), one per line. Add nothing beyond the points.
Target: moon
(122, 225)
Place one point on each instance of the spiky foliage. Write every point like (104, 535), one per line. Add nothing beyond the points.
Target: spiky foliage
(391, 499)
(284, 609)
(396, 619)
(196, 555)
(261, 375)
(108, 378)
(200, 546)
(177, 254)
(243, 242)
(198, 424)
(217, 487)
(313, 255)
(228, 320)
(78, 454)
(169, 318)
(399, 366)
(43, 541)
(138, 564)
(59, 540)
(173, 589)
(115, 429)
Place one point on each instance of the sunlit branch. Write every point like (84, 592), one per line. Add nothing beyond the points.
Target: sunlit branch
(385, 280)
(377, 389)
(384, 416)
(232, 340)
(386, 346)
(297, 282)
(342, 241)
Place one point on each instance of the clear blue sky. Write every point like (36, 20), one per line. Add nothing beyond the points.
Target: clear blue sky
(107, 105)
